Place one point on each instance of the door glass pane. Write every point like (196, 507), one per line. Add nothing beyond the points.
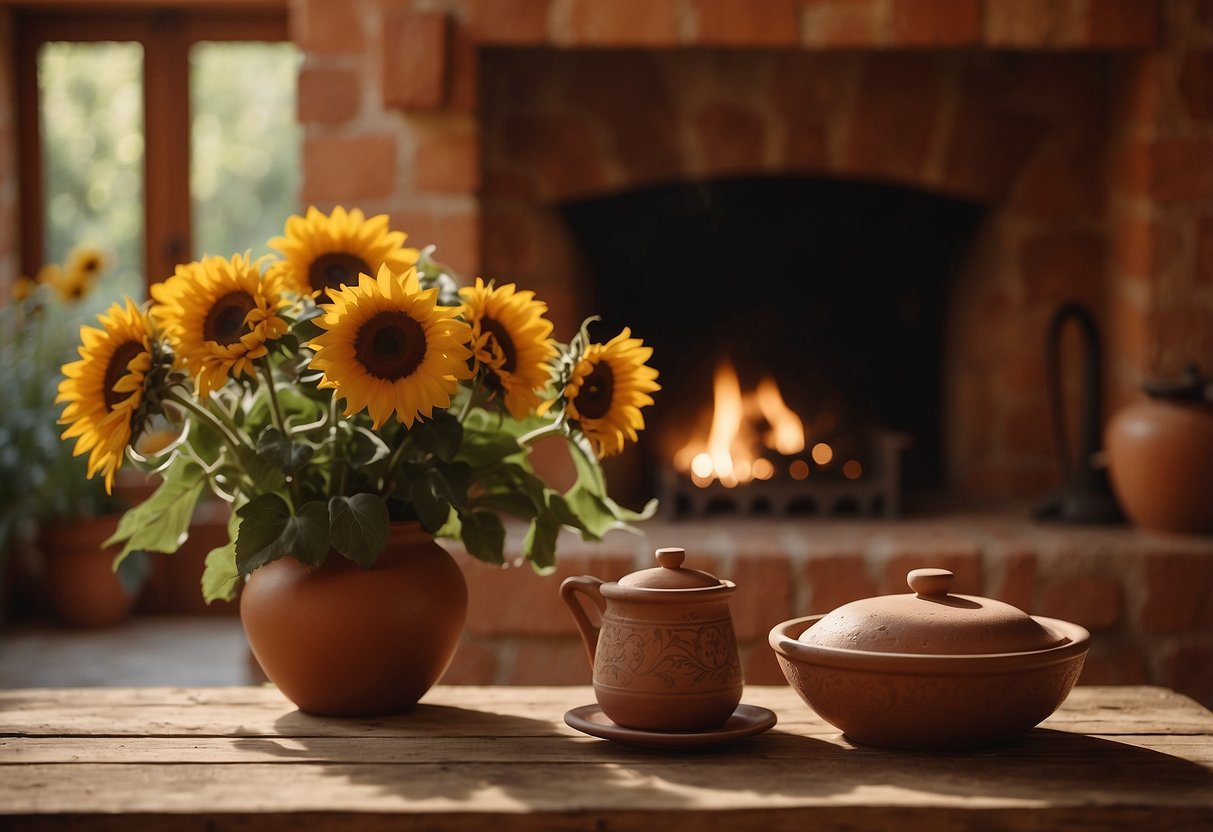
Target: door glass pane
(244, 170)
(91, 116)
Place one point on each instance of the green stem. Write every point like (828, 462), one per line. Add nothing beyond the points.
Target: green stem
(296, 499)
(467, 406)
(385, 485)
(550, 429)
(232, 439)
(338, 468)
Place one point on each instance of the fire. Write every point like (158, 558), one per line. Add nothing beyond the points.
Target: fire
(734, 448)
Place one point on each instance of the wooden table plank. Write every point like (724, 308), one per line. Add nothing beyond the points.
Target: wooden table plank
(166, 758)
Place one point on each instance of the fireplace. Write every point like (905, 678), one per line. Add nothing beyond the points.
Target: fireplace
(917, 216)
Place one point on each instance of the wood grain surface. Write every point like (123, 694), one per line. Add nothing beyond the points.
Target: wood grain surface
(501, 758)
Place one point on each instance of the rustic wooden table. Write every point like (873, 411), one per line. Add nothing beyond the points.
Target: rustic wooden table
(502, 758)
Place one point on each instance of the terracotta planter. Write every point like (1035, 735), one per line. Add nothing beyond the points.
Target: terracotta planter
(84, 590)
(340, 640)
(1160, 461)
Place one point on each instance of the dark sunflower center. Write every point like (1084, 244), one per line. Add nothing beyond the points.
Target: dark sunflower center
(116, 369)
(594, 397)
(390, 345)
(502, 337)
(225, 321)
(90, 264)
(336, 269)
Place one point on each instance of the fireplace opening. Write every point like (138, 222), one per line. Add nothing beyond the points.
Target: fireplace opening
(835, 293)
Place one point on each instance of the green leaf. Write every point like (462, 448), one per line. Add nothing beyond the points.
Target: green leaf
(161, 523)
(268, 531)
(507, 502)
(483, 536)
(368, 448)
(588, 500)
(220, 575)
(539, 546)
(482, 449)
(359, 526)
(440, 436)
(278, 450)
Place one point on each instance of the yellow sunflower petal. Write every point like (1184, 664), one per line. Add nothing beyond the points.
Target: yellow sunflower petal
(607, 389)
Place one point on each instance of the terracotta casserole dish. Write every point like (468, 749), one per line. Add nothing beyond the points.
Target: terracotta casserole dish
(931, 670)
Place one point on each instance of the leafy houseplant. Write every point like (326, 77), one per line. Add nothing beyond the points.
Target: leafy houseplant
(348, 384)
(42, 484)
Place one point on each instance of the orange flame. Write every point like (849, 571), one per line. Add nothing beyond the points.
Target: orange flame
(732, 450)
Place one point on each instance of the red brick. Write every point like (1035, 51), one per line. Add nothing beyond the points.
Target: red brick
(844, 23)
(622, 23)
(1062, 266)
(1188, 669)
(351, 170)
(894, 119)
(1066, 182)
(1114, 663)
(1196, 84)
(1177, 169)
(833, 581)
(763, 596)
(463, 93)
(1035, 23)
(517, 601)
(329, 95)
(1178, 594)
(415, 58)
(1092, 601)
(1204, 251)
(456, 235)
(759, 665)
(1137, 90)
(745, 23)
(637, 105)
(1142, 247)
(549, 661)
(561, 148)
(513, 22)
(475, 663)
(731, 138)
(449, 163)
(322, 27)
(1016, 580)
(988, 145)
(1123, 23)
(936, 22)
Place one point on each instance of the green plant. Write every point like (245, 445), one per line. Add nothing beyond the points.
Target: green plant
(351, 384)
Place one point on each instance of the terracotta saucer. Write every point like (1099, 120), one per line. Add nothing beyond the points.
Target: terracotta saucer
(746, 721)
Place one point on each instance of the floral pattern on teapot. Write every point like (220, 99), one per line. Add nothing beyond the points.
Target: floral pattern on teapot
(673, 658)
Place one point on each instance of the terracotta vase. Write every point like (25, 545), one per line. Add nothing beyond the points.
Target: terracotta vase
(341, 640)
(83, 588)
(1160, 462)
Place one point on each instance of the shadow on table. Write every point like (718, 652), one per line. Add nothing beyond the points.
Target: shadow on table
(460, 754)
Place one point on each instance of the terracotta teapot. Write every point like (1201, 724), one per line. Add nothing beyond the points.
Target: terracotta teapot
(665, 656)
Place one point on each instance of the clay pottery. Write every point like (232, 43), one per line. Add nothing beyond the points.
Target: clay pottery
(665, 655)
(1160, 456)
(342, 640)
(930, 670)
(83, 588)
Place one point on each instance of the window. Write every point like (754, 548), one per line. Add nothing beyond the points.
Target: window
(159, 137)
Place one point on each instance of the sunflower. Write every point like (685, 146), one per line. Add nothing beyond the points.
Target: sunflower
(24, 288)
(104, 389)
(606, 390)
(389, 348)
(512, 339)
(328, 252)
(219, 315)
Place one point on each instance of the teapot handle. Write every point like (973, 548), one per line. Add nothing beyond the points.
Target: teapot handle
(590, 587)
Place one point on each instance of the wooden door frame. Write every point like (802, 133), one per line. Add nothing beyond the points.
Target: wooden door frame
(166, 36)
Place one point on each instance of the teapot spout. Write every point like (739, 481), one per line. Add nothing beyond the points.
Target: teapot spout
(590, 587)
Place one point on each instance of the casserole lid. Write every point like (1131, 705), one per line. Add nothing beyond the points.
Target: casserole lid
(931, 621)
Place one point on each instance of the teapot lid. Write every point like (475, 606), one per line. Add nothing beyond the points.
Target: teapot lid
(931, 621)
(670, 574)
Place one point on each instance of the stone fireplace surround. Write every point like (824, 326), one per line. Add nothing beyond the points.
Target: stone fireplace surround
(1084, 126)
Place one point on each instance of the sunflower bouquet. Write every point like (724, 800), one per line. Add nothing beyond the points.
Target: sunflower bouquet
(347, 384)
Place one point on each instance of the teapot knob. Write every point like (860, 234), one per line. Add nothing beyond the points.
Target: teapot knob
(671, 557)
(930, 582)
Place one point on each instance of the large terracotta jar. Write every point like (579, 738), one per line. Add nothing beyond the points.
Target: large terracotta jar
(1160, 456)
(341, 640)
(80, 575)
